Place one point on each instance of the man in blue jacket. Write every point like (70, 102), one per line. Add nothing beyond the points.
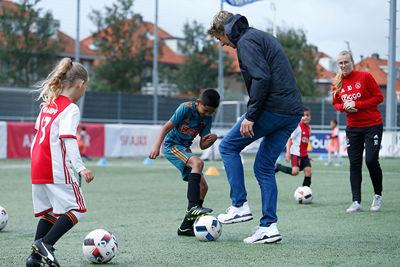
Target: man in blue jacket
(273, 112)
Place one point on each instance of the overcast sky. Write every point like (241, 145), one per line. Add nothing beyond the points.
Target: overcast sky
(328, 24)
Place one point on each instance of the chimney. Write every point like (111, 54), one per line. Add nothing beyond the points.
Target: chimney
(375, 55)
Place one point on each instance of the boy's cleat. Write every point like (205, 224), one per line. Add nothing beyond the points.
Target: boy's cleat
(355, 207)
(197, 211)
(236, 214)
(376, 203)
(34, 260)
(186, 232)
(46, 251)
(263, 234)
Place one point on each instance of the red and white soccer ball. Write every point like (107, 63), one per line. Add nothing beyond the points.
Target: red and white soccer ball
(207, 228)
(3, 218)
(100, 246)
(303, 195)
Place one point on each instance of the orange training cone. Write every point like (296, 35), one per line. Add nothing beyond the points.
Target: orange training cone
(211, 171)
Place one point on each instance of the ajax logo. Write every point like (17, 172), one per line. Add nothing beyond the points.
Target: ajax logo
(358, 85)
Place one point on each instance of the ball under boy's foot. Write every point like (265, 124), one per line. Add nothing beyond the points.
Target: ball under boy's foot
(186, 232)
(197, 211)
(46, 251)
(34, 260)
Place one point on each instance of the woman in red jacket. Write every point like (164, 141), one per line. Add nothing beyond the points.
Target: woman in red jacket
(358, 94)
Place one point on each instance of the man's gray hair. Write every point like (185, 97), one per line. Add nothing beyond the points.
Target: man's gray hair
(217, 25)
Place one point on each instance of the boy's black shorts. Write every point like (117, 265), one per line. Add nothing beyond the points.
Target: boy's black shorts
(300, 162)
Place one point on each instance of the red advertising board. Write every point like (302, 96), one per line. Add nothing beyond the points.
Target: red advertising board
(94, 139)
(20, 136)
(19, 139)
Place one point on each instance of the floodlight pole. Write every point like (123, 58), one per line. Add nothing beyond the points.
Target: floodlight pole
(155, 67)
(77, 50)
(219, 115)
(391, 78)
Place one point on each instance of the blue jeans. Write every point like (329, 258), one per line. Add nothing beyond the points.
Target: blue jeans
(275, 130)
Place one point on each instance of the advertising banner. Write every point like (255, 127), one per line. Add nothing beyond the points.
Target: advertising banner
(19, 139)
(122, 140)
(3, 139)
(94, 138)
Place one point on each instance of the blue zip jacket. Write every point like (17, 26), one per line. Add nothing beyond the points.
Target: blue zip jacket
(266, 70)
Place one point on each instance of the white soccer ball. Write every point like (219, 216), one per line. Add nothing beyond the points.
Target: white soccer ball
(100, 246)
(207, 228)
(3, 218)
(303, 195)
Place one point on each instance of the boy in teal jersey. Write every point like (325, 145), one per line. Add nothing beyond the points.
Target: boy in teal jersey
(190, 119)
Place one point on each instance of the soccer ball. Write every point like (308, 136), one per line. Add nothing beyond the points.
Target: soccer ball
(303, 195)
(3, 218)
(100, 246)
(207, 228)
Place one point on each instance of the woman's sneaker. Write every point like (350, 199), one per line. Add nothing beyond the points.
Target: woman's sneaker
(355, 207)
(263, 234)
(376, 203)
(236, 214)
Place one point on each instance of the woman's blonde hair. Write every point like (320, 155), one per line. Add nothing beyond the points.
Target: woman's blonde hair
(338, 80)
(65, 74)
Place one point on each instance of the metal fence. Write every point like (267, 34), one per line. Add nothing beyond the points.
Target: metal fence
(19, 104)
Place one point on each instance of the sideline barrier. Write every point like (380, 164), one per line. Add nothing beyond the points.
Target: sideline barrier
(3, 140)
(126, 140)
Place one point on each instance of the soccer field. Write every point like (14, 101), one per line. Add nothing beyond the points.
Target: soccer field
(142, 205)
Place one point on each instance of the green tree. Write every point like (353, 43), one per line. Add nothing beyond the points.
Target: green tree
(123, 47)
(28, 43)
(302, 58)
(200, 68)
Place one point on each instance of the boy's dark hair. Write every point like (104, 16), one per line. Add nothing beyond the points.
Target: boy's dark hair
(306, 108)
(335, 122)
(209, 97)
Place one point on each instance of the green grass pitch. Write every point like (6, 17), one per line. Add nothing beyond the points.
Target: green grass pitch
(144, 204)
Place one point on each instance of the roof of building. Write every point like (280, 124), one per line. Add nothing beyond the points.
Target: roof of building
(377, 67)
(166, 55)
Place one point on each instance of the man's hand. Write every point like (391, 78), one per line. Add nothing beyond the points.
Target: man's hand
(87, 174)
(246, 128)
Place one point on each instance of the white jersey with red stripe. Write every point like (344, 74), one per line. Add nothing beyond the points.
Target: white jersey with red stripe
(50, 163)
(300, 138)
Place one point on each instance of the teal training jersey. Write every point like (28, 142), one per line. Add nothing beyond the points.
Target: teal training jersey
(188, 124)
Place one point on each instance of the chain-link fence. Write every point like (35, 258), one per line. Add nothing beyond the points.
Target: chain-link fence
(19, 104)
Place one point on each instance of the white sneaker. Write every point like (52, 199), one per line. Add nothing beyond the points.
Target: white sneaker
(329, 163)
(236, 214)
(338, 164)
(268, 234)
(376, 203)
(354, 207)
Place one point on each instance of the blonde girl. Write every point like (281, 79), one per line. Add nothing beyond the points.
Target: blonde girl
(57, 198)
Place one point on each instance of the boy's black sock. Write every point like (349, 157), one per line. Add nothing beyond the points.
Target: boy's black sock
(284, 169)
(62, 225)
(201, 201)
(193, 192)
(44, 225)
(307, 181)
